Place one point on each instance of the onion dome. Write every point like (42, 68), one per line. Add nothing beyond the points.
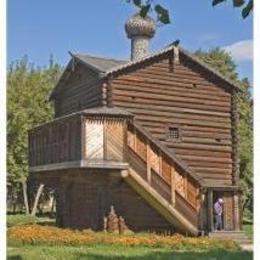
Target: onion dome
(139, 26)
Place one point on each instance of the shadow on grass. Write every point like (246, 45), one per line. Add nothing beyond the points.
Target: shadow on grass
(14, 257)
(212, 255)
(122, 253)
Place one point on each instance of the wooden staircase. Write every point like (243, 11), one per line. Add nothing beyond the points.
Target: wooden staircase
(163, 181)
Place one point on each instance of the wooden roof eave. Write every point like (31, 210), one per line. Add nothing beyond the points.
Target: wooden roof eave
(211, 69)
(121, 68)
(64, 75)
(97, 70)
(68, 70)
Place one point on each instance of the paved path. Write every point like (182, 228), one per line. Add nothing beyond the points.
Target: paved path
(247, 247)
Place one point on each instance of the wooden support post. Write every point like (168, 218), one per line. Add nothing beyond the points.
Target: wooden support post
(82, 139)
(173, 186)
(148, 163)
(134, 132)
(201, 210)
(125, 147)
(160, 162)
(186, 185)
(210, 210)
(236, 212)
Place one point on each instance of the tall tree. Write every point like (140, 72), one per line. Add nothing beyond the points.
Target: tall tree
(223, 62)
(28, 89)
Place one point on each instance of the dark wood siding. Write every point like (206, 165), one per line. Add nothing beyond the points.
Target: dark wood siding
(85, 198)
(55, 142)
(81, 90)
(162, 95)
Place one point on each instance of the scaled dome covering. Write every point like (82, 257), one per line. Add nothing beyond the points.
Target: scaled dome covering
(139, 26)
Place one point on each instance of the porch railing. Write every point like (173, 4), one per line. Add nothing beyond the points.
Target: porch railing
(157, 168)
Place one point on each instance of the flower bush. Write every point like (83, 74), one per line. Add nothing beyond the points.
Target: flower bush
(48, 235)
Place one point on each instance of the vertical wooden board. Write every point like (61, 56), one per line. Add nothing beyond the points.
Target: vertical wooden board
(155, 160)
(114, 140)
(180, 183)
(192, 193)
(210, 211)
(236, 212)
(228, 211)
(94, 140)
(166, 170)
(131, 139)
(141, 147)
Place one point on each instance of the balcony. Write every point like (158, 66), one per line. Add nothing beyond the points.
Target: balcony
(92, 138)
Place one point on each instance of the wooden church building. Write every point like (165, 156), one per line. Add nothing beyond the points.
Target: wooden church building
(154, 137)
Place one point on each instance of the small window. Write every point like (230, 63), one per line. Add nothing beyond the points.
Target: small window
(174, 133)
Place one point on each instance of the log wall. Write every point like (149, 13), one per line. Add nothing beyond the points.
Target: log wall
(85, 198)
(163, 94)
(82, 90)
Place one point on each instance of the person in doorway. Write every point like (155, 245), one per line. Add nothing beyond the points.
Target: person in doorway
(218, 212)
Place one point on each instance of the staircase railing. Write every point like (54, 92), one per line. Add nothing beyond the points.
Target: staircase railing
(161, 171)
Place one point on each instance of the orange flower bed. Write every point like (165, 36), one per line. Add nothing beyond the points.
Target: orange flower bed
(36, 234)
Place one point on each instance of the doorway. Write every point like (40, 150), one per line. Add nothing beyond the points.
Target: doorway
(218, 222)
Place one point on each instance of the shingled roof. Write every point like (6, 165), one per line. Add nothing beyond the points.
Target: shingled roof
(99, 64)
(106, 66)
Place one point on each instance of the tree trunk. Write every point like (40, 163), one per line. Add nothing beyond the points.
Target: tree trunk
(37, 197)
(13, 202)
(25, 197)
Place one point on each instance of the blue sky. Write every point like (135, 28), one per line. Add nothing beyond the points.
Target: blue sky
(41, 28)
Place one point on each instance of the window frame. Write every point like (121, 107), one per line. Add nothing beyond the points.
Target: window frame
(168, 136)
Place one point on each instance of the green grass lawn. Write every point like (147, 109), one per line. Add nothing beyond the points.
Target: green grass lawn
(248, 228)
(35, 250)
(118, 253)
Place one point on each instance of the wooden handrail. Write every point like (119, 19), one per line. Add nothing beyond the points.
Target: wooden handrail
(160, 162)
(170, 154)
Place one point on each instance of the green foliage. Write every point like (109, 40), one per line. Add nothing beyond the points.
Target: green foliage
(247, 8)
(163, 14)
(28, 89)
(223, 62)
(20, 219)
(236, 3)
(249, 229)
(145, 7)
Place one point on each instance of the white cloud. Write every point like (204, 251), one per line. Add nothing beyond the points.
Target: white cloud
(241, 51)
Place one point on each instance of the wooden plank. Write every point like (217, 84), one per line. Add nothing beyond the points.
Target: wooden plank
(176, 85)
(94, 140)
(148, 162)
(202, 147)
(114, 142)
(125, 101)
(167, 120)
(161, 96)
(154, 89)
(197, 158)
(191, 116)
(173, 188)
(228, 211)
(210, 210)
(236, 212)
